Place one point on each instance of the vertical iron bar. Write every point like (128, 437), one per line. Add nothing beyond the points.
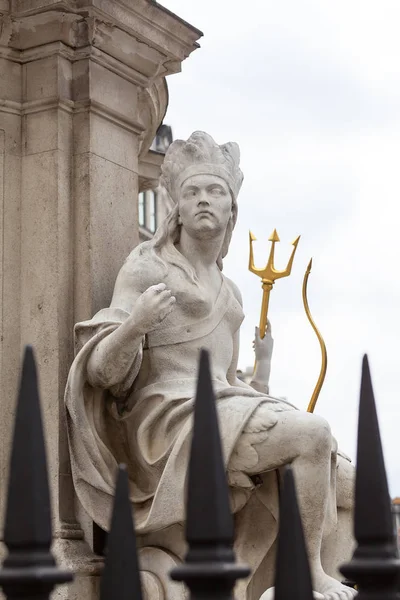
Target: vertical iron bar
(29, 570)
(292, 573)
(210, 570)
(121, 577)
(375, 566)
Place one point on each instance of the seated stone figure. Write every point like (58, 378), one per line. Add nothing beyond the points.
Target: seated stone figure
(130, 390)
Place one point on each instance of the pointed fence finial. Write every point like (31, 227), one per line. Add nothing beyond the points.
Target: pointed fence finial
(375, 566)
(121, 577)
(29, 568)
(292, 573)
(210, 570)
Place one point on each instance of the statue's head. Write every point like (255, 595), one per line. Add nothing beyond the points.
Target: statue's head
(203, 179)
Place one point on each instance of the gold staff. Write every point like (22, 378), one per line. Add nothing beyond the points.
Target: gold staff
(324, 364)
(269, 275)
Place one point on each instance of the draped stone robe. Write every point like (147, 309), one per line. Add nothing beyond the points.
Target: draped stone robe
(145, 420)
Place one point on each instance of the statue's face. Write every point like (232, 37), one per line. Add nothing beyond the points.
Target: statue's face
(205, 205)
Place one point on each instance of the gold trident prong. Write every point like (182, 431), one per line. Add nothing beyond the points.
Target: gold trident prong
(269, 274)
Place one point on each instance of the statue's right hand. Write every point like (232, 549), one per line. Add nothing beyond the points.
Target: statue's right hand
(152, 307)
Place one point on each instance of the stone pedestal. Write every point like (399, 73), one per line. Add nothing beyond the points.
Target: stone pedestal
(82, 92)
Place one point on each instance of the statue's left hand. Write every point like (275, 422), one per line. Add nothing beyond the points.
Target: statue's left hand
(263, 347)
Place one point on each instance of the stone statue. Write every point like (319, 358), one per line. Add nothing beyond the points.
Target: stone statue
(130, 390)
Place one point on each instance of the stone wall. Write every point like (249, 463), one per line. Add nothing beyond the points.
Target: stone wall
(82, 93)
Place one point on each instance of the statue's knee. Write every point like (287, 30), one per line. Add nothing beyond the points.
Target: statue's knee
(320, 435)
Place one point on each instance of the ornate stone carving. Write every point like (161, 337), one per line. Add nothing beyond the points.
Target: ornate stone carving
(130, 390)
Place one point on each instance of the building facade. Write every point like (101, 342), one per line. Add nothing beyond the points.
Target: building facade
(155, 203)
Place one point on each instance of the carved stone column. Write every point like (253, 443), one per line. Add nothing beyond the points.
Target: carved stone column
(82, 92)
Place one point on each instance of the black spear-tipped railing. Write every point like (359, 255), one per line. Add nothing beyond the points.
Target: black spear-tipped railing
(29, 569)
(210, 570)
(292, 570)
(375, 566)
(121, 577)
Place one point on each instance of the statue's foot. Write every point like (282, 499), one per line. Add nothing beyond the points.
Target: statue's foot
(269, 594)
(331, 588)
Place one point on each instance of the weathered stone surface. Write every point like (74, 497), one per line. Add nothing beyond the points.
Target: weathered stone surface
(82, 92)
(130, 392)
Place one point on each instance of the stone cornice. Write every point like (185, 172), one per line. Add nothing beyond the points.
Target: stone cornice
(61, 49)
(98, 31)
(10, 107)
(153, 98)
(45, 104)
(146, 21)
(138, 40)
(109, 114)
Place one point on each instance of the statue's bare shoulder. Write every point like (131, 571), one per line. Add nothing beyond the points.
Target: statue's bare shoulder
(139, 271)
(235, 290)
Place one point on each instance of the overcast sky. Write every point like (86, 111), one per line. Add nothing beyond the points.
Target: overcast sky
(311, 92)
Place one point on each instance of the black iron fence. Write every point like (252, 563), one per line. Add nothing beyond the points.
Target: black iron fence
(210, 570)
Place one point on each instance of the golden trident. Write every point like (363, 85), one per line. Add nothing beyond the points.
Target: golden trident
(269, 274)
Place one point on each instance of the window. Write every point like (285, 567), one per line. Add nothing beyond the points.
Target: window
(142, 208)
(152, 200)
(147, 208)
